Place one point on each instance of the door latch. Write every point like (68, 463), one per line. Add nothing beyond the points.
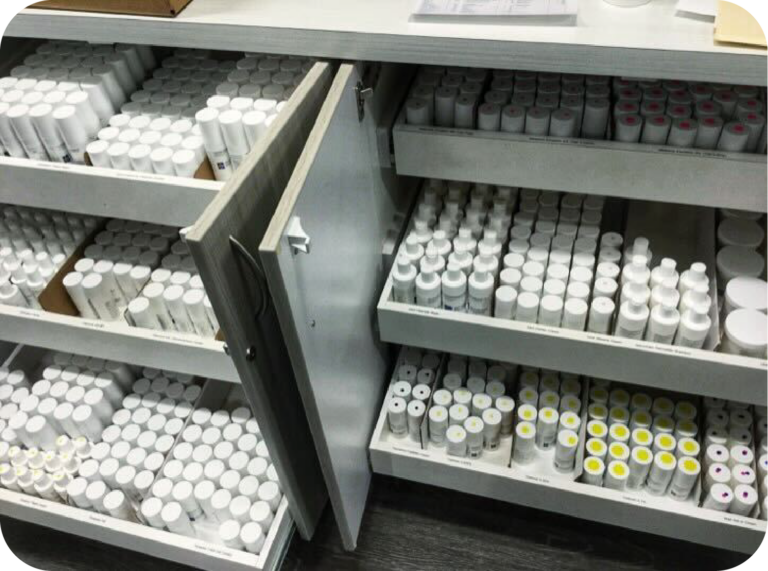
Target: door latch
(298, 240)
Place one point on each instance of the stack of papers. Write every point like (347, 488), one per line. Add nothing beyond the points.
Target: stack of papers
(537, 8)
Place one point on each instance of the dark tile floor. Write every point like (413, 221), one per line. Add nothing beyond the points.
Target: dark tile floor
(410, 526)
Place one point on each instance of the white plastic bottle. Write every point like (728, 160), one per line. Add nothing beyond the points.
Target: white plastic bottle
(663, 323)
(697, 273)
(486, 260)
(693, 329)
(461, 257)
(666, 270)
(432, 261)
(480, 292)
(490, 238)
(429, 289)
(454, 289)
(422, 232)
(636, 271)
(665, 291)
(600, 315)
(441, 243)
(473, 223)
(404, 280)
(635, 290)
(633, 317)
(426, 214)
(640, 247)
(412, 250)
(465, 239)
(697, 296)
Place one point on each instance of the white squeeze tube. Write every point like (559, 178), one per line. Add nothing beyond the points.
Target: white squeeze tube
(25, 131)
(215, 147)
(42, 119)
(231, 122)
(72, 131)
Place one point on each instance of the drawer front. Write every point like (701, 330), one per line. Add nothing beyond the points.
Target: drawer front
(223, 243)
(324, 258)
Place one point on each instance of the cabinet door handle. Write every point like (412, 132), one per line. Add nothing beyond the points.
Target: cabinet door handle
(253, 267)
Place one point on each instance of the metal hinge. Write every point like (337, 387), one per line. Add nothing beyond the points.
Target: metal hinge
(361, 94)
(364, 87)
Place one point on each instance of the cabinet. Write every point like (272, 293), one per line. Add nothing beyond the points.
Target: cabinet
(296, 248)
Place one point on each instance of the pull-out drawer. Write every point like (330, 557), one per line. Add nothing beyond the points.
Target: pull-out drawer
(656, 172)
(205, 551)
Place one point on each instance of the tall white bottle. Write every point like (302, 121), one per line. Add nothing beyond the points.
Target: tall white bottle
(665, 271)
(404, 280)
(697, 296)
(412, 249)
(636, 271)
(693, 329)
(454, 289)
(429, 289)
(461, 257)
(465, 239)
(663, 323)
(432, 261)
(480, 292)
(486, 260)
(665, 291)
(633, 317)
(696, 274)
(441, 243)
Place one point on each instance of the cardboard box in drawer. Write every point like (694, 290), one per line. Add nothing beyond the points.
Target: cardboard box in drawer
(161, 8)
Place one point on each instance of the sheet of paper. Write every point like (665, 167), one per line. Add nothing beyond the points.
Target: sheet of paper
(496, 7)
(699, 7)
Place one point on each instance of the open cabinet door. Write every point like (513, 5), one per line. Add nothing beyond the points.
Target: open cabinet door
(224, 244)
(324, 255)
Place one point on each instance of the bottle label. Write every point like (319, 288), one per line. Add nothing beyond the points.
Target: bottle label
(428, 299)
(58, 152)
(659, 338)
(628, 333)
(403, 293)
(479, 305)
(684, 341)
(454, 302)
(37, 154)
(222, 164)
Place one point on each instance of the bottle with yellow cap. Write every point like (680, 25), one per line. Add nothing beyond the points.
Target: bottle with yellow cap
(597, 448)
(565, 450)
(594, 468)
(685, 478)
(617, 475)
(661, 473)
(525, 442)
(640, 462)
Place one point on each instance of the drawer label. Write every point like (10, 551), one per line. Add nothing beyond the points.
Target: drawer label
(32, 502)
(213, 550)
(411, 452)
(554, 331)
(178, 339)
(538, 479)
(634, 500)
(29, 313)
(422, 310)
(746, 522)
(459, 461)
